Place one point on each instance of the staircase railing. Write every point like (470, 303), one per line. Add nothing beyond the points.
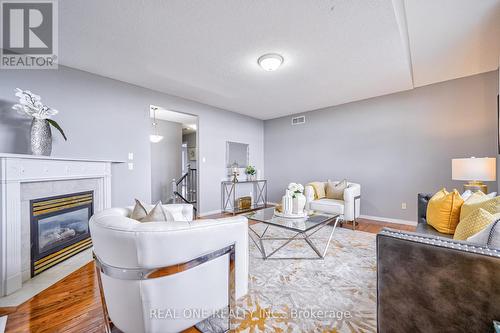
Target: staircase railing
(185, 188)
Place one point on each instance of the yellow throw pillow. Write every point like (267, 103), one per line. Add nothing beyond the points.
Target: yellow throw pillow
(443, 211)
(319, 189)
(473, 223)
(476, 201)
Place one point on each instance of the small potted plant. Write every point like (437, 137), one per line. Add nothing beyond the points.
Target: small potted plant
(251, 173)
(41, 135)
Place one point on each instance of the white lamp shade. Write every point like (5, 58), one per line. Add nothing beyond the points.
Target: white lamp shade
(481, 169)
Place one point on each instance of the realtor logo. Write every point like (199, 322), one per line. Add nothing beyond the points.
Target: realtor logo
(29, 34)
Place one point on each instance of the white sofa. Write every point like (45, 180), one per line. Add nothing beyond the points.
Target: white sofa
(135, 261)
(349, 208)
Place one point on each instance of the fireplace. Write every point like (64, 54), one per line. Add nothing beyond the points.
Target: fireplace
(59, 228)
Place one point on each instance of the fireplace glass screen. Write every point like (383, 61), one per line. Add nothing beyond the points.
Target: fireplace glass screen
(59, 229)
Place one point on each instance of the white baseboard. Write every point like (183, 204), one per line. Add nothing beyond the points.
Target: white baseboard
(211, 212)
(388, 220)
(376, 218)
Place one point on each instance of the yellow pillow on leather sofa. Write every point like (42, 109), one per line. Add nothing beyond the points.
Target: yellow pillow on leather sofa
(443, 211)
(480, 200)
(474, 223)
(319, 189)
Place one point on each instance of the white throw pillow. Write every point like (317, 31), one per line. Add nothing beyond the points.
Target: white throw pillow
(489, 236)
(492, 194)
(466, 194)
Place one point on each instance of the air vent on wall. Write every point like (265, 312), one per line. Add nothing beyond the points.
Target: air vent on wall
(298, 120)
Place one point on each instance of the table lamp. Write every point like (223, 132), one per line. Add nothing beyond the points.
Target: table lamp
(474, 171)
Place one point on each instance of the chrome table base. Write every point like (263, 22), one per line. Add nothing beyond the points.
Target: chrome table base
(301, 235)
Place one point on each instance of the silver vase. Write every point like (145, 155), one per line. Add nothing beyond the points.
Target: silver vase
(41, 137)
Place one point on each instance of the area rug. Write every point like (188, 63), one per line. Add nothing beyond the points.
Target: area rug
(337, 294)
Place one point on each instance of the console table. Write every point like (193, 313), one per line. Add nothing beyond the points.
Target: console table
(228, 195)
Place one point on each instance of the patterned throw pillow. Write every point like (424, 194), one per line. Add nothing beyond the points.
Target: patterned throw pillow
(473, 223)
(336, 191)
(489, 236)
(157, 214)
(480, 200)
(443, 211)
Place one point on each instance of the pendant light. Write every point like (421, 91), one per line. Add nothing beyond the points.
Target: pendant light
(155, 138)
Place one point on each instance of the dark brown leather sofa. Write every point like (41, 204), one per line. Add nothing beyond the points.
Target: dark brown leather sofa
(429, 283)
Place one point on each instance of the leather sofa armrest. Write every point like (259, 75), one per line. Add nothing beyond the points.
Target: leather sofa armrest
(423, 201)
(180, 212)
(173, 246)
(432, 284)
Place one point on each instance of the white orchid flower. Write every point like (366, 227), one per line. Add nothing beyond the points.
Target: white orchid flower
(31, 105)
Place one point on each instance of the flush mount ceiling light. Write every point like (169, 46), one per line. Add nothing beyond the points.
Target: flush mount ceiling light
(270, 62)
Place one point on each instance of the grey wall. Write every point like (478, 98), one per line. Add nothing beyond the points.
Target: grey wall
(106, 119)
(189, 140)
(394, 146)
(166, 160)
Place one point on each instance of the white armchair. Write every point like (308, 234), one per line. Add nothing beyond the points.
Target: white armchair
(349, 208)
(157, 276)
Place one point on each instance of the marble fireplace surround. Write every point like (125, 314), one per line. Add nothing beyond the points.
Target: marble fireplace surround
(26, 177)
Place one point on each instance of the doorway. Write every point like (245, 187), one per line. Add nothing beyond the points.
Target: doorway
(174, 157)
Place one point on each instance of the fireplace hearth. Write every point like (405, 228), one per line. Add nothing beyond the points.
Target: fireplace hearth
(59, 228)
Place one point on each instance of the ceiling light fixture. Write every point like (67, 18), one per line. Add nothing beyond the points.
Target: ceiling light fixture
(155, 138)
(270, 62)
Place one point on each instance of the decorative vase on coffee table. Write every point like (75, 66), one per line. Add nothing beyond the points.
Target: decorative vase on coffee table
(41, 137)
(287, 202)
(299, 202)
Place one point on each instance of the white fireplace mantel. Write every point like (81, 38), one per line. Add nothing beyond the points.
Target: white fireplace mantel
(16, 169)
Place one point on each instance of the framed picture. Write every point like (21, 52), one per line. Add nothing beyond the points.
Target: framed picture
(498, 122)
(192, 154)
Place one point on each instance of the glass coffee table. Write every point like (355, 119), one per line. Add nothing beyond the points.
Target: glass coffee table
(302, 228)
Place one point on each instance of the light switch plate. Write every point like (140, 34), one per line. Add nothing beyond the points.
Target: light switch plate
(403, 205)
(130, 156)
(131, 166)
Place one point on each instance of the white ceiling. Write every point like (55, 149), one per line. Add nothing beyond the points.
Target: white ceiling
(453, 38)
(186, 120)
(335, 51)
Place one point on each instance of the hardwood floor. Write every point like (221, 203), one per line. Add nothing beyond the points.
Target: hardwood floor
(73, 304)
(70, 305)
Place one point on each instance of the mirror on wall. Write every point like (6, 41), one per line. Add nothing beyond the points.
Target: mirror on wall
(237, 153)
